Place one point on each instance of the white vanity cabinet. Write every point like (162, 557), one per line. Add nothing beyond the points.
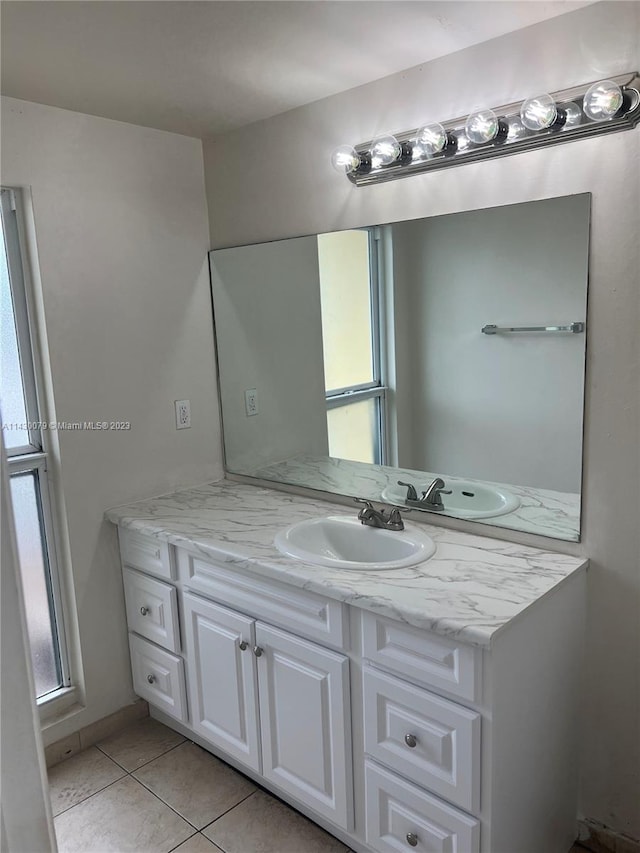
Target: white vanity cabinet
(274, 701)
(152, 615)
(393, 737)
(422, 751)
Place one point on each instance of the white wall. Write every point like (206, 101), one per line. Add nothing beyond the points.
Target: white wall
(506, 408)
(301, 194)
(278, 353)
(121, 226)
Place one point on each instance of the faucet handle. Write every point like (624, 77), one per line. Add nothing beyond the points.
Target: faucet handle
(364, 501)
(412, 495)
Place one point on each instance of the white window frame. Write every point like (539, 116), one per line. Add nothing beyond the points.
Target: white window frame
(377, 388)
(36, 455)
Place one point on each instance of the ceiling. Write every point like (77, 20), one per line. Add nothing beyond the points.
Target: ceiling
(205, 68)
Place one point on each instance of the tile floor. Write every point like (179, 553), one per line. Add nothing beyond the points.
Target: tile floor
(149, 790)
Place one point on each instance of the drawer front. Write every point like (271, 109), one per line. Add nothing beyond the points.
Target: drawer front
(430, 740)
(152, 609)
(158, 677)
(144, 552)
(400, 817)
(422, 656)
(305, 613)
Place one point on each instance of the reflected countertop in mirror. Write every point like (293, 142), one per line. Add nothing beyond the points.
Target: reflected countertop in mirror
(449, 347)
(541, 511)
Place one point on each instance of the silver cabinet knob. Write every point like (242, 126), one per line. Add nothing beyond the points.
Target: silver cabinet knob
(151, 679)
(145, 610)
(410, 740)
(242, 645)
(412, 839)
(257, 651)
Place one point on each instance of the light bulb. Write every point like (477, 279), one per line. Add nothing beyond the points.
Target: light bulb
(602, 101)
(573, 114)
(516, 129)
(482, 126)
(539, 113)
(385, 150)
(429, 140)
(345, 159)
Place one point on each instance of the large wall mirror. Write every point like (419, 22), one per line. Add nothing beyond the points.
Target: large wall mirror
(375, 361)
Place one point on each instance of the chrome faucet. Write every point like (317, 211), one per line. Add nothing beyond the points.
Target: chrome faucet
(378, 517)
(431, 498)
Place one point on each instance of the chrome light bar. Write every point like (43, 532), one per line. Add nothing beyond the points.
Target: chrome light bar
(577, 113)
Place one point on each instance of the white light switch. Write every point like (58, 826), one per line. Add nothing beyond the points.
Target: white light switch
(251, 402)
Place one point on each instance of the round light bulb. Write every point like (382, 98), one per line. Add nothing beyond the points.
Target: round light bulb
(462, 141)
(385, 150)
(538, 113)
(429, 140)
(602, 101)
(573, 114)
(482, 126)
(516, 129)
(345, 159)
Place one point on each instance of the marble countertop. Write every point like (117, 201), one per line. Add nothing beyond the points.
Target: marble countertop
(470, 589)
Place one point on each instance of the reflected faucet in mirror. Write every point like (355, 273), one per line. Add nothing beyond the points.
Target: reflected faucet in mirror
(431, 497)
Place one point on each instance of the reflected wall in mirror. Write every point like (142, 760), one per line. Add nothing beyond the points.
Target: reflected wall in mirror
(367, 352)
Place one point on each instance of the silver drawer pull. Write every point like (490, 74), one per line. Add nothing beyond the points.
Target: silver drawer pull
(411, 741)
(412, 839)
(145, 610)
(151, 679)
(257, 651)
(156, 553)
(242, 645)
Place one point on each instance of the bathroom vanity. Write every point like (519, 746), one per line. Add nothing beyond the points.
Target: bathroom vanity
(433, 707)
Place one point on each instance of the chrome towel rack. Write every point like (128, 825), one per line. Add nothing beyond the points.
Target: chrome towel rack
(576, 328)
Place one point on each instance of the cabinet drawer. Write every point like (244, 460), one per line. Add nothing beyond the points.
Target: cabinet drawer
(152, 609)
(158, 677)
(422, 656)
(431, 740)
(289, 607)
(401, 817)
(144, 552)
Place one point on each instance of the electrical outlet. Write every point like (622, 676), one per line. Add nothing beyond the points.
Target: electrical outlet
(251, 402)
(183, 414)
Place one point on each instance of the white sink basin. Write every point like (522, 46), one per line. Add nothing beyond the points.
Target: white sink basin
(469, 499)
(342, 542)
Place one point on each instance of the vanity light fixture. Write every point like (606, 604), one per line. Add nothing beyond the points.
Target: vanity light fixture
(606, 106)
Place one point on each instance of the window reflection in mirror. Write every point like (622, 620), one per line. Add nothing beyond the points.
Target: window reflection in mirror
(349, 287)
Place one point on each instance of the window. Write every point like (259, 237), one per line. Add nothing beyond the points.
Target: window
(351, 332)
(25, 441)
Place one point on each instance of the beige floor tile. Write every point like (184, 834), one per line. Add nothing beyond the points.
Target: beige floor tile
(79, 777)
(195, 783)
(262, 824)
(124, 818)
(197, 844)
(114, 723)
(140, 743)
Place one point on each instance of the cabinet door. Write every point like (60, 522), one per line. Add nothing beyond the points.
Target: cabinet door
(222, 678)
(305, 722)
